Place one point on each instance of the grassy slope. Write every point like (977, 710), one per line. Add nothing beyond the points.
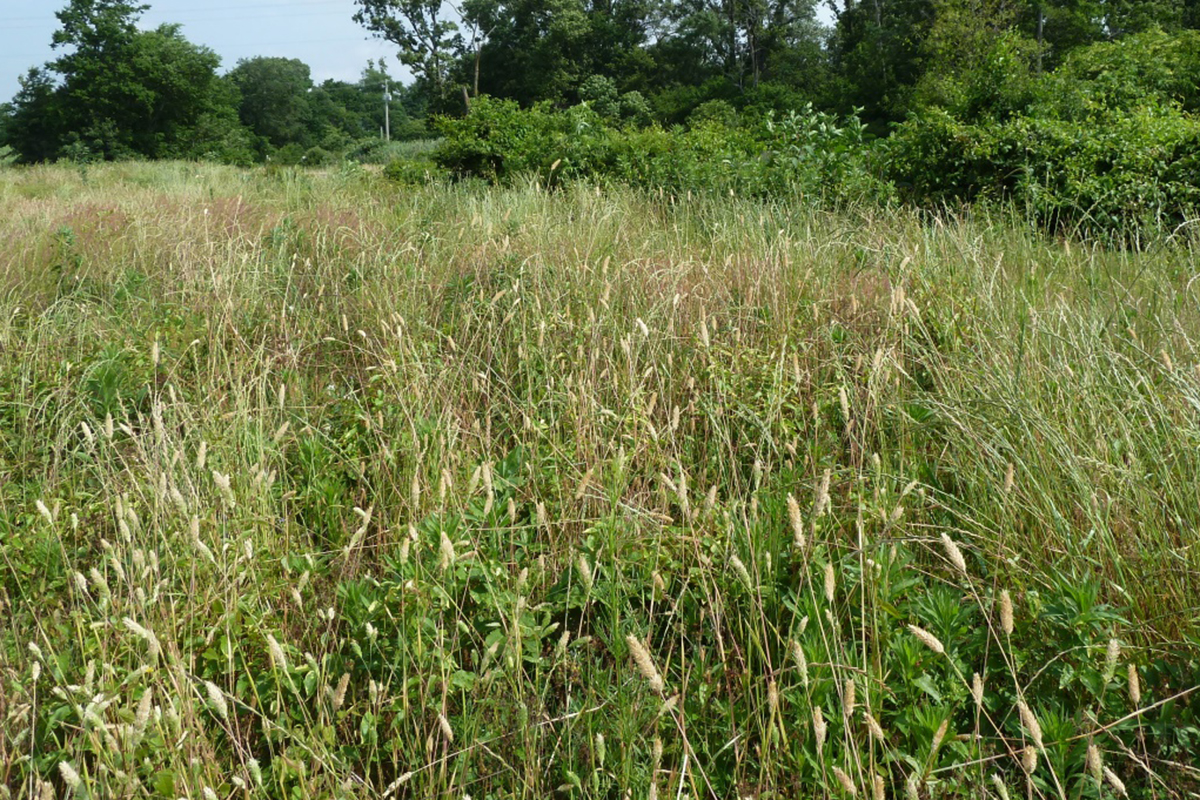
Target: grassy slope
(475, 440)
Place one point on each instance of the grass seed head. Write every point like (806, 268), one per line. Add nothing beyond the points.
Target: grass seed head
(1115, 782)
(1095, 765)
(1006, 612)
(928, 639)
(142, 716)
(446, 549)
(645, 664)
(277, 655)
(953, 554)
(847, 785)
(939, 736)
(1111, 655)
(830, 582)
(819, 728)
(1030, 722)
(797, 522)
(586, 577)
(1029, 760)
(874, 728)
(69, 775)
(1135, 686)
(216, 699)
(801, 661)
(743, 574)
(822, 501)
(1001, 789)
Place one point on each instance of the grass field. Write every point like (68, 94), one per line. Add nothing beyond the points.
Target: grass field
(316, 486)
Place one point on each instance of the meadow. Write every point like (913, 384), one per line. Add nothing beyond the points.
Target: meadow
(315, 485)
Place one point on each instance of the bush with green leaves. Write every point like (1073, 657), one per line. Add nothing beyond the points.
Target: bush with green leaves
(1106, 145)
(803, 153)
(1130, 172)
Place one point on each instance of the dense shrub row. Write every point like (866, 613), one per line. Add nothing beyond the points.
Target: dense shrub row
(806, 152)
(1105, 144)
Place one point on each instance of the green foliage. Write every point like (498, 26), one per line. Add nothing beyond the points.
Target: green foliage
(409, 171)
(1151, 67)
(1107, 145)
(120, 92)
(806, 152)
(274, 98)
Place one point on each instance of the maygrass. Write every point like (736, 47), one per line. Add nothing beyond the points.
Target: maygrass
(241, 388)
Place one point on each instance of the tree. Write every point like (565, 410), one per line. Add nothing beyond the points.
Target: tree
(274, 98)
(878, 53)
(34, 127)
(116, 91)
(429, 42)
(101, 97)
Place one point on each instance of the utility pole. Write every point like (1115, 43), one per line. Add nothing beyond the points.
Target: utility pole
(387, 111)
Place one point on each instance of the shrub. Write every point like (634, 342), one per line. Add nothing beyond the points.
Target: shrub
(1136, 171)
(805, 152)
(317, 157)
(289, 155)
(410, 171)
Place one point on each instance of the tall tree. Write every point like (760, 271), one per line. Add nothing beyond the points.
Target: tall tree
(877, 51)
(428, 39)
(35, 127)
(116, 91)
(274, 98)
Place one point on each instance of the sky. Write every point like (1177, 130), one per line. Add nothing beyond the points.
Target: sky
(321, 33)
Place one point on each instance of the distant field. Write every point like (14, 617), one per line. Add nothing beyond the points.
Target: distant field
(315, 486)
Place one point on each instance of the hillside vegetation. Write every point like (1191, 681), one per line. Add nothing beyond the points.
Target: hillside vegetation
(317, 485)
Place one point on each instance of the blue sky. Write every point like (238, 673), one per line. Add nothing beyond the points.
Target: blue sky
(320, 33)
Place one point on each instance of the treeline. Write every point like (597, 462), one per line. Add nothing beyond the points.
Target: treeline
(120, 92)
(882, 58)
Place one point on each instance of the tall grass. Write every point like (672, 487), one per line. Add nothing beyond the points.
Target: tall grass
(314, 487)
